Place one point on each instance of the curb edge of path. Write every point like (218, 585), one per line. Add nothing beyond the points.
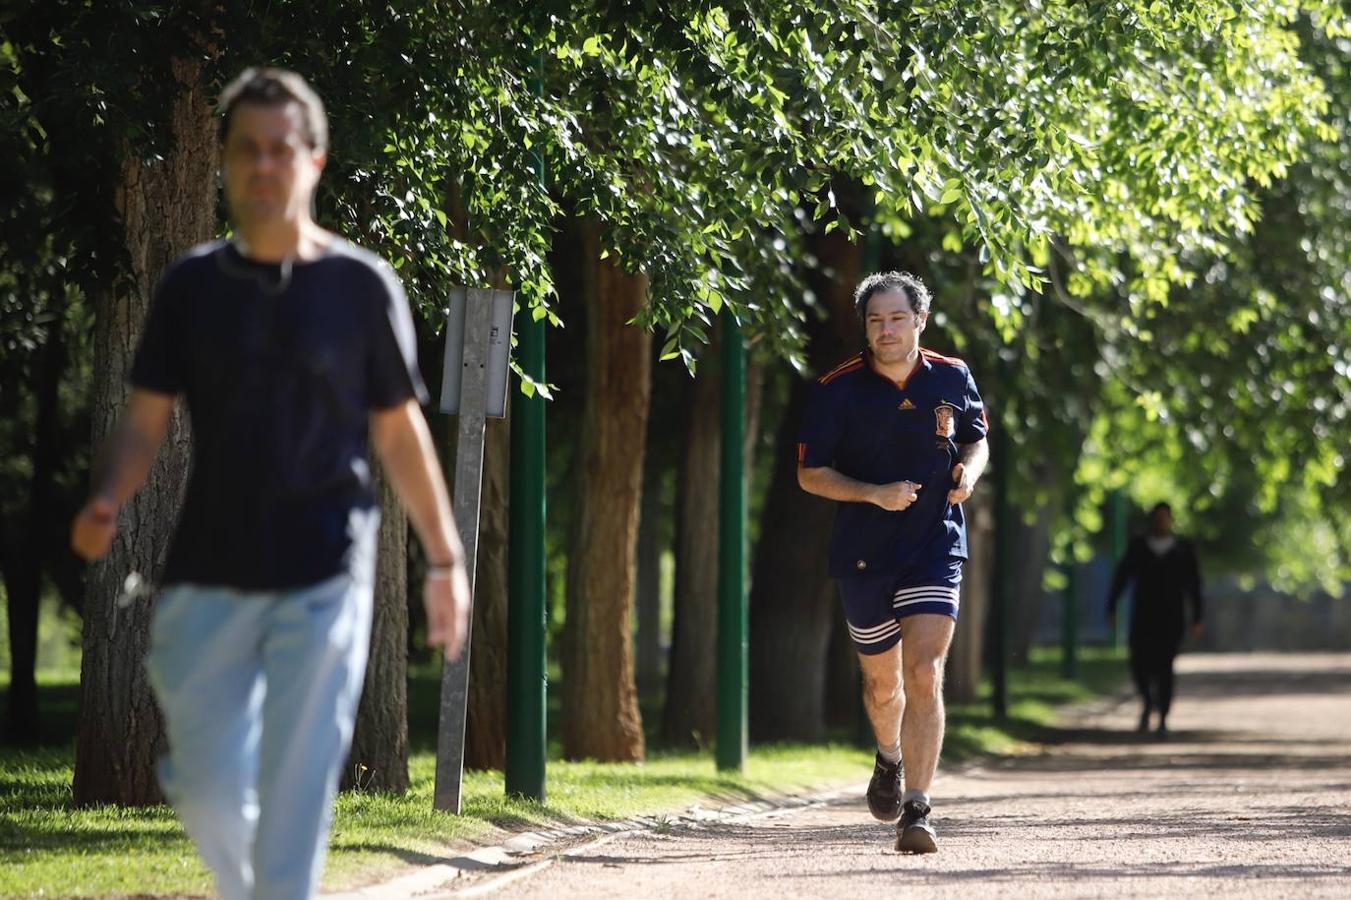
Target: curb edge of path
(510, 860)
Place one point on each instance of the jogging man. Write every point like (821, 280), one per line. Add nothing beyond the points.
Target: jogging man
(1167, 579)
(293, 350)
(896, 434)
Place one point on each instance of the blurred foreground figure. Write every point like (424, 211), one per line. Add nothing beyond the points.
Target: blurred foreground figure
(294, 350)
(896, 435)
(1164, 570)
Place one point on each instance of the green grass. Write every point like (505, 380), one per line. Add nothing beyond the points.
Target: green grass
(374, 833)
(1036, 693)
(49, 848)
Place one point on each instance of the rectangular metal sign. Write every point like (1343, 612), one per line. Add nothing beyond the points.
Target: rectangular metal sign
(496, 361)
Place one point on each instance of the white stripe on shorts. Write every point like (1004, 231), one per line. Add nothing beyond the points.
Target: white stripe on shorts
(874, 635)
(938, 593)
(873, 630)
(904, 593)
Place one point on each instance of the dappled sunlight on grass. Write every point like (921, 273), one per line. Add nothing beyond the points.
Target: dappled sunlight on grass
(374, 833)
(48, 845)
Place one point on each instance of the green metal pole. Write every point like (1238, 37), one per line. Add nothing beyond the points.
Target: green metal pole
(1116, 532)
(1070, 622)
(732, 606)
(527, 674)
(999, 596)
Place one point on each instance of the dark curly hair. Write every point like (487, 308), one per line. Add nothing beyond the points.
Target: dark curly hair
(899, 282)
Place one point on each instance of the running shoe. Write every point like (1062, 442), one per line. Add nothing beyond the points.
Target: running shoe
(914, 834)
(884, 790)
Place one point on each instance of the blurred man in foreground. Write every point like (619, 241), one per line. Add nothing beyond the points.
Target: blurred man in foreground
(293, 350)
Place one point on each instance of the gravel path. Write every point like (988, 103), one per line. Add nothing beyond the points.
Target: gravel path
(1251, 791)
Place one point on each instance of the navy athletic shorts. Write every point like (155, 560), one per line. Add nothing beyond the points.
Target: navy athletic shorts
(875, 604)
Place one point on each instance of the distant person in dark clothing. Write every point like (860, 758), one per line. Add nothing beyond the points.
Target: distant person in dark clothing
(1165, 572)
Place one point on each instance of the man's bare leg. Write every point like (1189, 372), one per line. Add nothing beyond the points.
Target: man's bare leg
(884, 700)
(925, 640)
(883, 694)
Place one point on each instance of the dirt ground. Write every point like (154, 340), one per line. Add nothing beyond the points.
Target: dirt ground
(1252, 791)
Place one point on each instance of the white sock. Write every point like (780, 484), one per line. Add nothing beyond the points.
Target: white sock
(916, 794)
(891, 754)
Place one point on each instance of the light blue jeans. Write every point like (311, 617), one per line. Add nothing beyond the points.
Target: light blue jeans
(259, 692)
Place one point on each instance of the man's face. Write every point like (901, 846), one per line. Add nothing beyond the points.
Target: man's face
(892, 326)
(270, 168)
(1161, 522)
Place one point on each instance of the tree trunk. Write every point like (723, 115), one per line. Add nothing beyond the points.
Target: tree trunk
(647, 602)
(962, 684)
(755, 407)
(600, 700)
(690, 713)
(166, 206)
(844, 702)
(23, 577)
(378, 760)
(485, 739)
(1032, 549)
(790, 625)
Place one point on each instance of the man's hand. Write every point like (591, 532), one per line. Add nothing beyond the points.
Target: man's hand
(896, 496)
(122, 468)
(445, 593)
(94, 528)
(964, 485)
(400, 436)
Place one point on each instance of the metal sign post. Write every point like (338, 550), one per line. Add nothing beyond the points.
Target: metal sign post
(474, 386)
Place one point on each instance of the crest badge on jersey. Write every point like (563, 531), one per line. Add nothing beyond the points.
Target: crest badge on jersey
(945, 415)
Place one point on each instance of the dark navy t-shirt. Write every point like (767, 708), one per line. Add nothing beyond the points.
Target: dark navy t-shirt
(279, 367)
(868, 427)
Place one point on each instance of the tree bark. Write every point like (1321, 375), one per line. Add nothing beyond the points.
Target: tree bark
(962, 684)
(485, 740)
(690, 713)
(790, 625)
(1032, 549)
(600, 701)
(844, 702)
(166, 206)
(647, 601)
(378, 760)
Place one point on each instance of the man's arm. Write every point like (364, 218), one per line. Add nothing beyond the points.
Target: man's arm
(401, 439)
(123, 468)
(827, 482)
(971, 462)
